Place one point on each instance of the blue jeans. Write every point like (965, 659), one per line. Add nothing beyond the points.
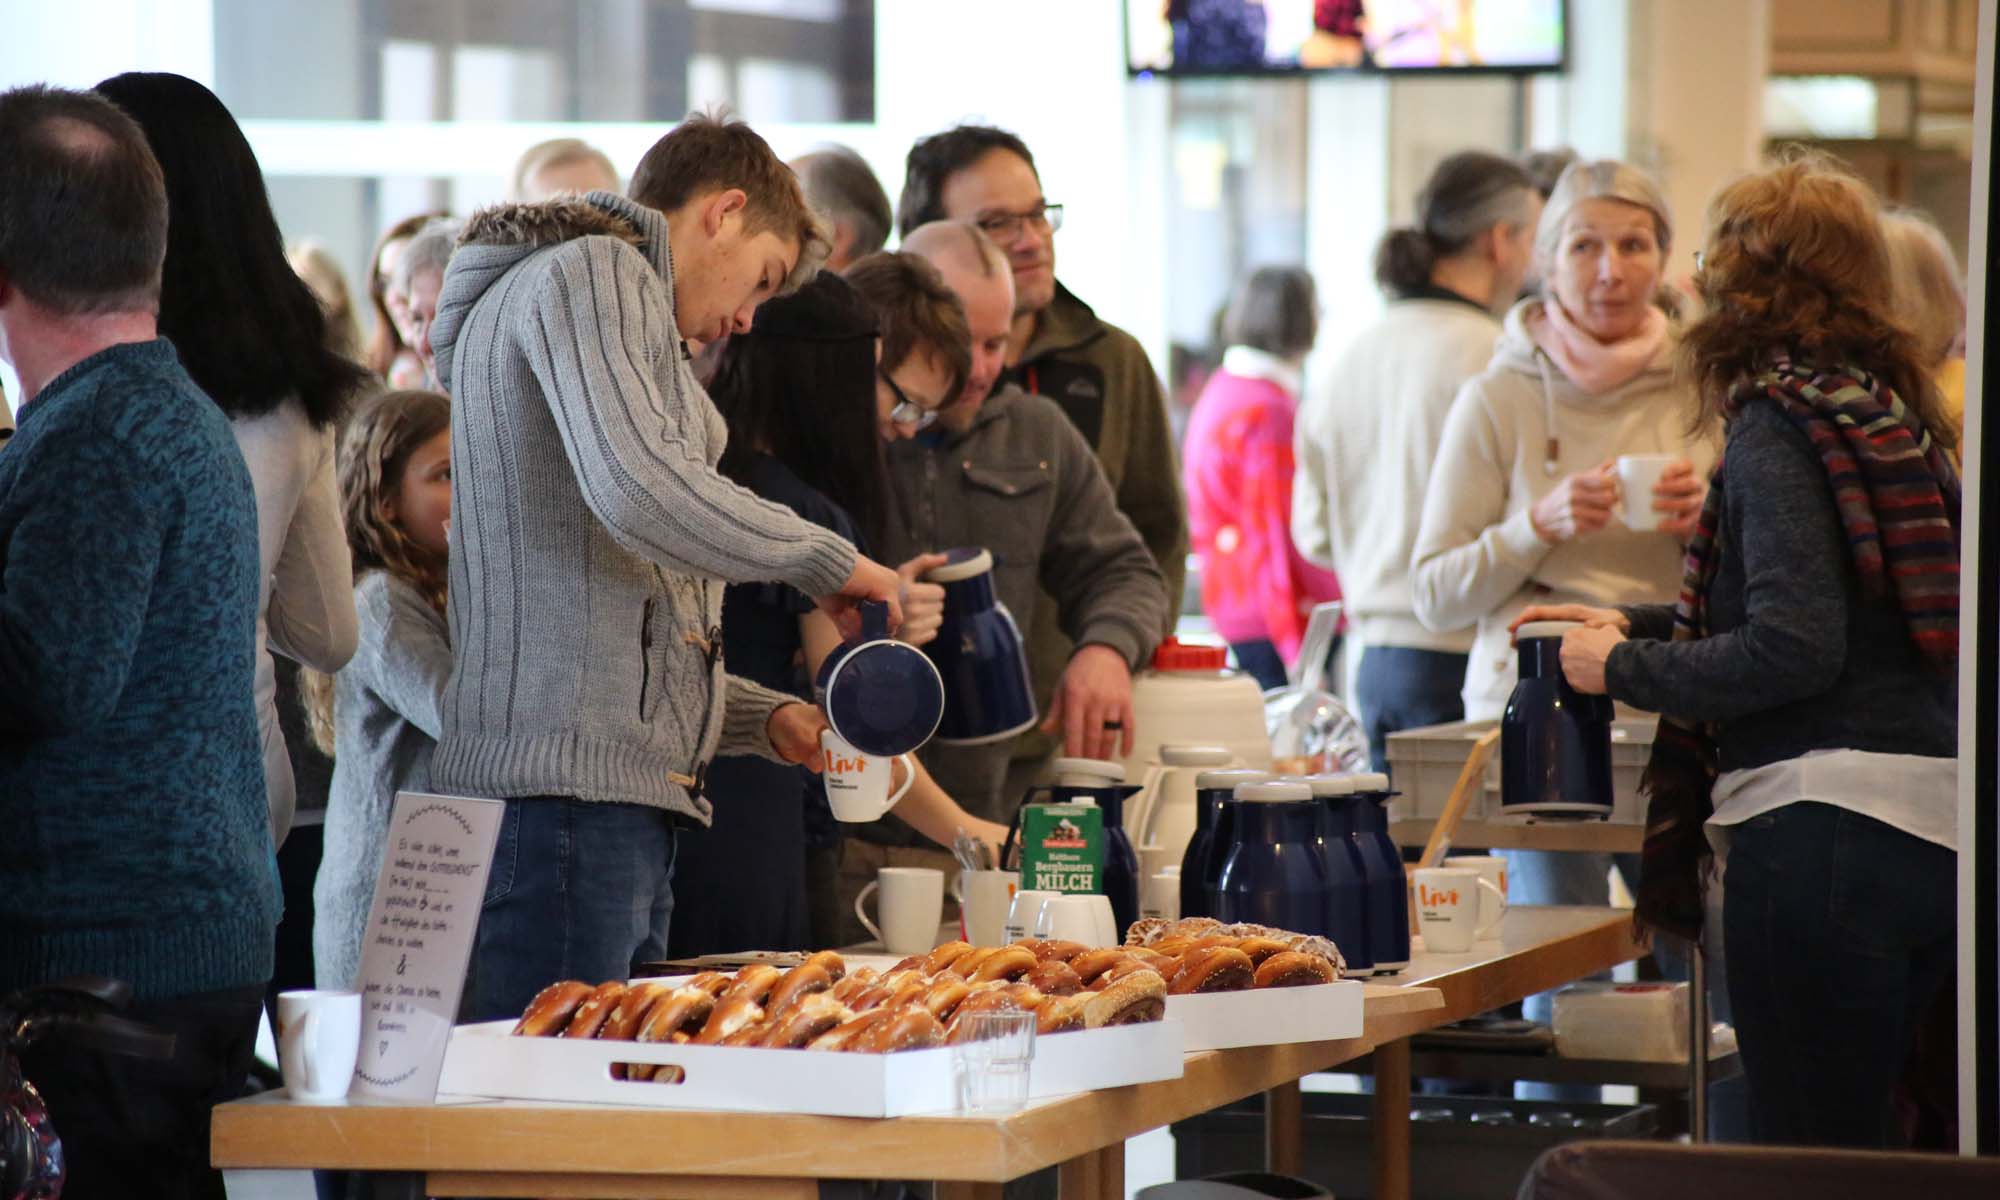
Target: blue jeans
(579, 890)
(1840, 929)
(1261, 661)
(1399, 688)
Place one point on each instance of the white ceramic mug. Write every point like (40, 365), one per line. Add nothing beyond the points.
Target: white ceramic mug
(1160, 895)
(1022, 914)
(1638, 475)
(984, 898)
(1084, 918)
(858, 785)
(1493, 869)
(911, 907)
(319, 1037)
(1448, 901)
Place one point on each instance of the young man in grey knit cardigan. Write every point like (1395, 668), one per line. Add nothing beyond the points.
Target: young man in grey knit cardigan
(593, 537)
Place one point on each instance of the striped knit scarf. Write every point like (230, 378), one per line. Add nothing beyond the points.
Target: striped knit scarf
(1898, 496)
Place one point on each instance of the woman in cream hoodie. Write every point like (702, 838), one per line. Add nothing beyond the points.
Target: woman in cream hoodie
(1523, 504)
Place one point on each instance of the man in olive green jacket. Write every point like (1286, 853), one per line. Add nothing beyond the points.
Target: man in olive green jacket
(1057, 347)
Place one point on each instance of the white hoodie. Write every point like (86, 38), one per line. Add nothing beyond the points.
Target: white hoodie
(1478, 558)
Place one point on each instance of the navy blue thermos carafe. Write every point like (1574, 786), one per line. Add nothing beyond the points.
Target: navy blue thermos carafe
(1274, 874)
(979, 655)
(1346, 873)
(1388, 887)
(1555, 742)
(1201, 863)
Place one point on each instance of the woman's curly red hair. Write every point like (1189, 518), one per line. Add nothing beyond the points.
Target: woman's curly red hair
(1795, 261)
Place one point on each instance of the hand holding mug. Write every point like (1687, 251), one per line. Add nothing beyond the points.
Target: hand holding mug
(1578, 506)
(794, 731)
(1678, 498)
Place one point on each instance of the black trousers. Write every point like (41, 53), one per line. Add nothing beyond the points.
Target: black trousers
(134, 1127)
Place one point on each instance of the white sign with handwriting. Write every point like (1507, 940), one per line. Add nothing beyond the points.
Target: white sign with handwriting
(419, 939)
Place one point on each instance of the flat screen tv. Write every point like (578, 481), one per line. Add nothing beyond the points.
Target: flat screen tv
(1257, 37)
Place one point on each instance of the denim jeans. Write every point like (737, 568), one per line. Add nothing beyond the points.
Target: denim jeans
(579, 890)
(1840, 930)
(1261, 661)
(1399, 687)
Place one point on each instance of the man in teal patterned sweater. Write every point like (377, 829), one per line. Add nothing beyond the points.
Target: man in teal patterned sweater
(133, 840)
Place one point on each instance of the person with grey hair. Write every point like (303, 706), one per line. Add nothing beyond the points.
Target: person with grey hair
(1927, 293)
(1524, 503)
(1237, 468)
(842, 189)
(1367, 434)
(418, 278)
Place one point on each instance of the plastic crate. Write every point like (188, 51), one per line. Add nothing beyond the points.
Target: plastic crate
(1450, 1159)
(1424, 764)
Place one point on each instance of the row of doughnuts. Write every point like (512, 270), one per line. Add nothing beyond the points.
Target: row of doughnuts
(819, 1005)
(1217, 963)
(1177, 937)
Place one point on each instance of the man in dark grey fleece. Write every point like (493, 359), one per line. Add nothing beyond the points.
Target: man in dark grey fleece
(1008, 471)
(593, 536)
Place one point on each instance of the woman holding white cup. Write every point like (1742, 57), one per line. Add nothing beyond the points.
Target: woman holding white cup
(1525, 504)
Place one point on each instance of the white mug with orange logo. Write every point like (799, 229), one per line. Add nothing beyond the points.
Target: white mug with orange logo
(860, 787)
(1448, 901)
(1493, 869)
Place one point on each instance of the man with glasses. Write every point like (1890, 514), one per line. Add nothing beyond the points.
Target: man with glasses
(1096, 373)
(1006, 470)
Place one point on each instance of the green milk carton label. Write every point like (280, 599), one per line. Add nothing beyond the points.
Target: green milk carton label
(1062, 848)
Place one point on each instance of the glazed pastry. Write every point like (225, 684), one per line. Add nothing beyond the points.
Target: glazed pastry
(551, 1009)
(856, 983)
(943, 997)
(1008, 962)
(1260, 948)
(754, 982)
(752, 1033)
(913, 963)
(713, 982)
(1061, 1014)
(870, 998)
(802, 980)
(1289, 968)
(1140, 996)
(1054, 978)
(731, 1014)
(965, 964)
(912, 992)
(910, 1028)
(1142, 931)
(679, 1012)
(1171, 947)
(594, 1011)
(842, 1034)
(942, 957)
(1092, 963)
(811, 1016)
(828, 961)
(1056, 951)
(1213, 969)
(1122, 968)
(626, 1019)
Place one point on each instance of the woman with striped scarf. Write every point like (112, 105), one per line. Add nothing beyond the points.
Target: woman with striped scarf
(1806, 678)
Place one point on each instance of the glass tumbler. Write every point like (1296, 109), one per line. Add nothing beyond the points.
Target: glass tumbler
(991, 1060)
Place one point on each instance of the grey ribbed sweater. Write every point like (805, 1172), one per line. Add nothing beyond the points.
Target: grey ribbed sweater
(591, 533)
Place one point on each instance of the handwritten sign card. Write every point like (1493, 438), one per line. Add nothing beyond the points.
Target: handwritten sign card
(419, 939)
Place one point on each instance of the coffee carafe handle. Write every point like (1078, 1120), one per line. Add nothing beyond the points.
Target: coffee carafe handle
(874, 620)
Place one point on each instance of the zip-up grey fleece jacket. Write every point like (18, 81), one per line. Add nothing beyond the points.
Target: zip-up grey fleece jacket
(591, 534)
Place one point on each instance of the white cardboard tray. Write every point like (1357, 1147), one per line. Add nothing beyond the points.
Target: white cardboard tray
(482, 1060)
(1323, 1012)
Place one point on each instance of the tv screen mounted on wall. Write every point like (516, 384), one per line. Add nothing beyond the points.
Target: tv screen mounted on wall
(1257, 37)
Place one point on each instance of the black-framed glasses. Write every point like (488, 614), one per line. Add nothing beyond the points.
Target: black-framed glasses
(906, 410)
(1006, 227)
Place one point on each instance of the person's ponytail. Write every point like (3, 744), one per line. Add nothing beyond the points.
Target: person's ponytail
(1403, 261)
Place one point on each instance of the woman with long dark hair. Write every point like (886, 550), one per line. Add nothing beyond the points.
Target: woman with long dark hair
(808, 406)
(253, 335)
(1806, 756)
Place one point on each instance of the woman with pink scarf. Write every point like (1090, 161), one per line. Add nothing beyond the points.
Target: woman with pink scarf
(1524, 504)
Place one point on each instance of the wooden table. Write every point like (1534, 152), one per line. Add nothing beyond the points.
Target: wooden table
(515, 1148)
